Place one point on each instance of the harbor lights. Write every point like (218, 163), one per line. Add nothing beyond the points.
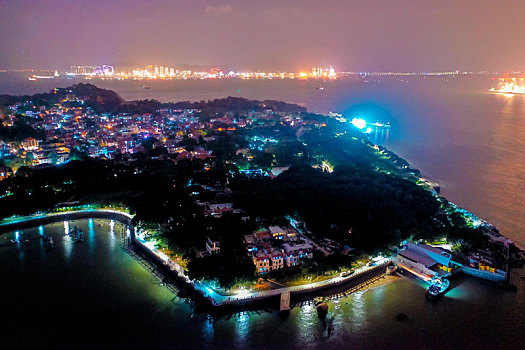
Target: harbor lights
(359, 123)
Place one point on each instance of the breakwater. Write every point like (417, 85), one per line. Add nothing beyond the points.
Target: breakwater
(43, 219)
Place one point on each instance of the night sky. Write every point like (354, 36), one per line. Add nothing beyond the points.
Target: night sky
(258, 34)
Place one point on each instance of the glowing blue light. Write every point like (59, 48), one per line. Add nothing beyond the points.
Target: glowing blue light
(359, 123)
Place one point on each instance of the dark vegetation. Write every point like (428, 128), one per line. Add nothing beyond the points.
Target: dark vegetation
(107, 101)
(355, 206)
(152, 189)
(20, 131)
(231, 264)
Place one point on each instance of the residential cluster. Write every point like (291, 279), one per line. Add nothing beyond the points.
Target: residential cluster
(276, 248)
(71, 127)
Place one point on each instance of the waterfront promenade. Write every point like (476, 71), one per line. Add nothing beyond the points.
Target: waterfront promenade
(201, 290)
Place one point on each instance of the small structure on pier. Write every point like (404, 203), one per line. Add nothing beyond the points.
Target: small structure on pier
(285, 301)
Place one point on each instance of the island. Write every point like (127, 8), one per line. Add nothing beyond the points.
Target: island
(235, 196)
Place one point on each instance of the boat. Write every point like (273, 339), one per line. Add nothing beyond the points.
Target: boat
(381, 125)
(48, 242)
(438, 287)
(512, 86)
(77, 235)
(390, 269)
(432, 292)
(322, 310)
(146, 87)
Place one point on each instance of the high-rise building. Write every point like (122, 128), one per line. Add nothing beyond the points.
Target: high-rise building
(104, 70)
(150, 69)
(317, 71)
(83, 70)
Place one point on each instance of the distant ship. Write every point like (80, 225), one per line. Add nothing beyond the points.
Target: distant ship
(146, 87)
(50, 75)
(510, 86)
(381, 125)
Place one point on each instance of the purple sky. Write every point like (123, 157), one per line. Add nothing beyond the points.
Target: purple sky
(288, 34)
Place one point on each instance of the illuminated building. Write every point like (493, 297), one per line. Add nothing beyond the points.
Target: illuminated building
(30, 144)
(104, 70)
(83, 70)
(317, 71)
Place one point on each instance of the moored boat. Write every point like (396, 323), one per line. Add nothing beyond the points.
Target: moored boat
(438, 286)
(390, 269)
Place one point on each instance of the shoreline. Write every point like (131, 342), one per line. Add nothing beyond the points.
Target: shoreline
(483, 222)
(198, 291)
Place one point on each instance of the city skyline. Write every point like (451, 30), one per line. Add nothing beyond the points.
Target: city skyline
(265, 35)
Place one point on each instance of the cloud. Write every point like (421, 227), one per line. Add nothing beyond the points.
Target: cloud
(218, 10)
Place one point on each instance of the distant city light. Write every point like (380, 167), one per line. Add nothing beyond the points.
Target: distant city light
(162, 72)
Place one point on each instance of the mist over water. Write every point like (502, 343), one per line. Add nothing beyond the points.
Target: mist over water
(470, 141)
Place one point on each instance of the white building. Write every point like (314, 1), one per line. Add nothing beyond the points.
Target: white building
(213, 246)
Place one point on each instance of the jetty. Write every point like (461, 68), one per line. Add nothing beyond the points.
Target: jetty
(285, 301)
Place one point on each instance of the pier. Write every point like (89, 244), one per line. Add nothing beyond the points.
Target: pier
(285, 302)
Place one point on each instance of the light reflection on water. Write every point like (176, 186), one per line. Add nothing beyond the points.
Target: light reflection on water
(358, 310)
(242, 327)
(208, 330)
(379, 136)
(91, 234)
(112, 236)
(307, 323)
(67, 243)
(456, 293)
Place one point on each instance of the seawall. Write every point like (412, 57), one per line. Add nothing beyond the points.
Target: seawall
(195, 290)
